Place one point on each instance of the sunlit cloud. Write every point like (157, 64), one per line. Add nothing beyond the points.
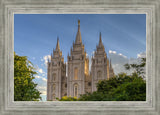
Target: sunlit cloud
(45, 59)
(114, 52)
(40, 70)
(44, 79)
(40, 77)
(42, 89)
(141, 55)
(119, 60)
(37, 76)
(122, 55)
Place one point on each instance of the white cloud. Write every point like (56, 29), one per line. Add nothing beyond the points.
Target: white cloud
(37, 76)
(42, 86)
(40, 77)
(44, 79)
(43, 92)
(42, 89)
(122, 55)
(40, 70)
(44, 74)
(119, 60)
(114, 52)
(141, 55)
(45, 59)
(93, 52)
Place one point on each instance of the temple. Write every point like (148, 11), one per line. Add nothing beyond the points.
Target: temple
(79, 79)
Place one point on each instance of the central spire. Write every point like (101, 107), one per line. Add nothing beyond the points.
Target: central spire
(57, 45)
(78, 36)
(100, 39)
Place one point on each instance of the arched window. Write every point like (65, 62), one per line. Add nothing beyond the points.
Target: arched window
(65, 85)
(54, 77)
(76, 73)
(99, 75)
(75, 90)
(89, 83)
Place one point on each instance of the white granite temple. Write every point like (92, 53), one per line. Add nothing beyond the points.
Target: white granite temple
(79, 79)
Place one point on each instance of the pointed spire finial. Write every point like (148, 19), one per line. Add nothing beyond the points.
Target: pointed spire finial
(57, 46)
(100, 39)
(78, 36)
(78, 22)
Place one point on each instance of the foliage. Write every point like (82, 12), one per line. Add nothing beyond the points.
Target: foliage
(24, 87)
(119, 88)
(133, 89)
(139, 68)
(65, 98)
(122, 87)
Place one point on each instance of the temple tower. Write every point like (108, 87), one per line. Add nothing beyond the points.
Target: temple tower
(56, 78)
(100, 65)
(111, 71)
(78, 68)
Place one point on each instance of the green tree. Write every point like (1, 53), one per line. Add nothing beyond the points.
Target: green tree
(131, 90)
(24, 87)
(120, 88)
(138, 68)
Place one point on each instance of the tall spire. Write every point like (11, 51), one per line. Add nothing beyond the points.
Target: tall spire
(78, 36)
(110, 64)
(51, 55)
(100, 40)
(57, 46)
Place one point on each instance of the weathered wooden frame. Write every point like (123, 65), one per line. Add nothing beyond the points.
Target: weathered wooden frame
(10, 7)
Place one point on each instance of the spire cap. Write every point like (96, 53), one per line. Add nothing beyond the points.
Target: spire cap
(110, 63)
(57, 45)
(78, 36)
(100, 40)
(79, 22)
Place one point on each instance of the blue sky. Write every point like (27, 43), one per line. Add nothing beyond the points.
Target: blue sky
(35, 35)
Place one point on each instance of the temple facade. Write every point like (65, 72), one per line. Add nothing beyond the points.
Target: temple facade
(79, 79)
